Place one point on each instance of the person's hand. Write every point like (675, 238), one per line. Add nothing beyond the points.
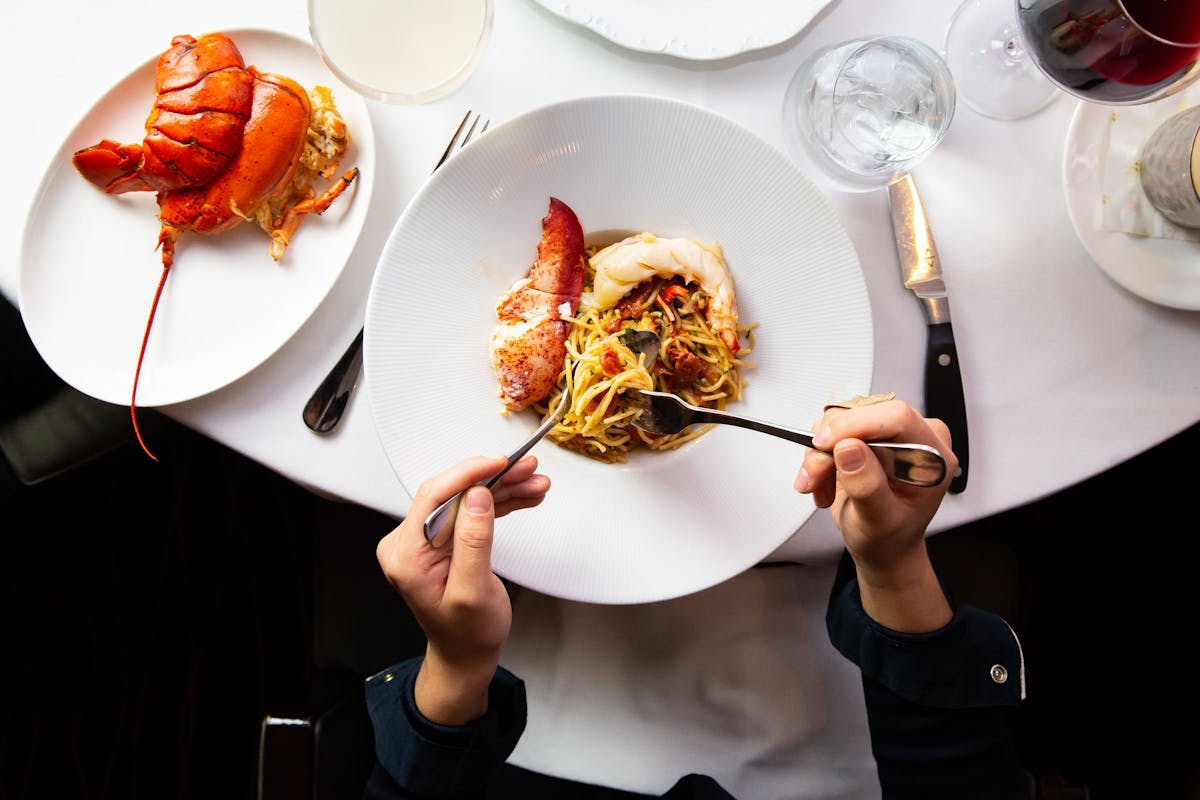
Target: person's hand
(456, 598)
(882, 522)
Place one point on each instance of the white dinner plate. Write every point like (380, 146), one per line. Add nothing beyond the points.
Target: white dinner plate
(662, 524)
(698, 31)
(89, 264)
(1161, 270)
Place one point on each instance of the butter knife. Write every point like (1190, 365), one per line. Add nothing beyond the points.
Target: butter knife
(922, 273)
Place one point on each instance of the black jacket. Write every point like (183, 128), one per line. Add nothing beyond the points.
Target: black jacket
(938, 707)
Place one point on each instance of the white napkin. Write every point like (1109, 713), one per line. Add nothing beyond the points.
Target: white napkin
(1125, 207)
(738, 682)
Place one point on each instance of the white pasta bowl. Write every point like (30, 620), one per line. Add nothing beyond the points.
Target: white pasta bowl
(664, 524)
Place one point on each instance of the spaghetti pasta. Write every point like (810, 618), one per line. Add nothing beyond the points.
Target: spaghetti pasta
(693, 361)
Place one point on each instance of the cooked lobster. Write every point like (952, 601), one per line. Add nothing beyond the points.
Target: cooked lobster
(528, 343)
(224, 143)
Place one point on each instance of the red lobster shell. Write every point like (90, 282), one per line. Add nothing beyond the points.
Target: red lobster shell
(224, 142)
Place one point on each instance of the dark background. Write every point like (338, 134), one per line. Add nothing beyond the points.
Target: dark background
(155, 612)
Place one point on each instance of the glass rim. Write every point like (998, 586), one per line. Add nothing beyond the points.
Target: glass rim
(1125, 12)
(425, 94)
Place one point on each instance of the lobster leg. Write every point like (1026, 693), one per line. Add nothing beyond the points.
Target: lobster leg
(282, 233)
(319, 204)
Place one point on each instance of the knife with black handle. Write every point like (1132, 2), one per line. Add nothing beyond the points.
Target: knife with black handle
(922, 273)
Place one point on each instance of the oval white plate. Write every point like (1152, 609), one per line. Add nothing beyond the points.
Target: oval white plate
(1163, 271)
(698, 31)
(663, 524)
(89, 266)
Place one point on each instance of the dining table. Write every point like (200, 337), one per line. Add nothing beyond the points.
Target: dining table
(1067, 372)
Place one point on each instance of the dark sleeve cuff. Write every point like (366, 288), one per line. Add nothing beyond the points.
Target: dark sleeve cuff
(431, 760)
(975, 661)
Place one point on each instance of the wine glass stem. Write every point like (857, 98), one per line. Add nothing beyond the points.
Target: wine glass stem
(1014, 49)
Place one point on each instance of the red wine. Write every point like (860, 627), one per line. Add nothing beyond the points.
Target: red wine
(1103, 52)
(1173, 20)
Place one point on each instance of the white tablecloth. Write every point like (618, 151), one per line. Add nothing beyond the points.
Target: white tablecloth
(1066, 373)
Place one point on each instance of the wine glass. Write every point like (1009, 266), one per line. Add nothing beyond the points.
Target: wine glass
(401, 51)
(1112, 52)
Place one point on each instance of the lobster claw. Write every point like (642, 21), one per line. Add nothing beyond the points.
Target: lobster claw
(112, 166)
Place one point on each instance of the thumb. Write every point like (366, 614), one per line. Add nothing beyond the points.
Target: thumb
(861, 476)
(471, 563)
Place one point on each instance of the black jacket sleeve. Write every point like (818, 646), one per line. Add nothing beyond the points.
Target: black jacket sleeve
(939, 704)
(416, 758)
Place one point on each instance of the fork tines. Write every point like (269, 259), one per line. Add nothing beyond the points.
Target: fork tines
(455, 143)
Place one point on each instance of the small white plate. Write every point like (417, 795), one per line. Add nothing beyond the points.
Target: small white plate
(1163, 271)
(698, 30)
(89, 266)
(662, 524)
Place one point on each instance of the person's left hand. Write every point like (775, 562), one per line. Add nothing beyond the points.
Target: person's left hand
(882, 522)
(458, 601)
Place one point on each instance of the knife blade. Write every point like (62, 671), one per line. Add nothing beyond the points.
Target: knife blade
(922, 273)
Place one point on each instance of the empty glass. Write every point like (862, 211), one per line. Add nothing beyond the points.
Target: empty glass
(867, 111)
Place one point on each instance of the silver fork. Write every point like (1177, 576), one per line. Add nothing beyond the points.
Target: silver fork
(440, 524)
(324, 409)
(663, 413)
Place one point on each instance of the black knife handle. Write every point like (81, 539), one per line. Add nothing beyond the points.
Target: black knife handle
(944, 396)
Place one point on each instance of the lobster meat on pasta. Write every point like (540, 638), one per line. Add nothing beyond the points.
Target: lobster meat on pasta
(570, 326)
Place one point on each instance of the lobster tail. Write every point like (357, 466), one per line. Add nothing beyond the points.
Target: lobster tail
(272, 142)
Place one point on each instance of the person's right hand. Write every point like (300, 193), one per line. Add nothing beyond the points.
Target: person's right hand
(882, 522)
(458, 601)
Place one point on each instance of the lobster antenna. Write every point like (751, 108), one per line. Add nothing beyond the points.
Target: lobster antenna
(167, 240)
